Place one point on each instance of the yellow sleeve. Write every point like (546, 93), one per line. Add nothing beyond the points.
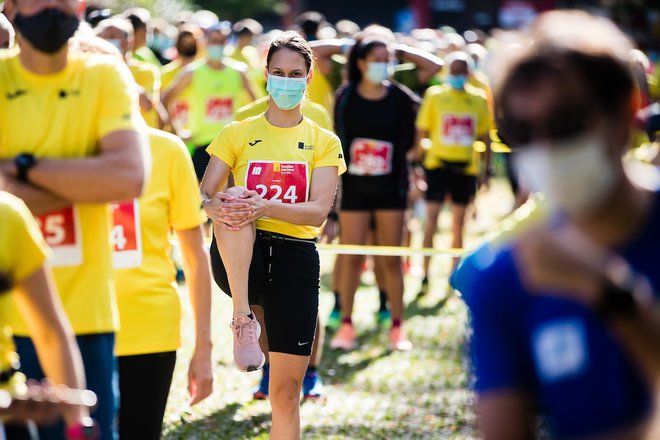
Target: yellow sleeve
(223, 146)
(424, 116)
(24, 240)
(119, 105)
(484, 119)
(331, 155)
(185, 212)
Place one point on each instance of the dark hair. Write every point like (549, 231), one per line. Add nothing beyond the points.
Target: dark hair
(137, 22)
(310, 22)
(292, 41)
(586, 86)
(361, 49)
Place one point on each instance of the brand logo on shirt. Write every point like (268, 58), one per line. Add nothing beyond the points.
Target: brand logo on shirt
(255, 142)
(341, 156)
(302, 146)
(64, 93)
(16, 94)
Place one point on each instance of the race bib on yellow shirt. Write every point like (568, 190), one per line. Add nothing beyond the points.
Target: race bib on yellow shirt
(219, 109)
(370, 157)
(61, 230)
(458, 129)
(181, 110)
(284, 182)
(126, 238)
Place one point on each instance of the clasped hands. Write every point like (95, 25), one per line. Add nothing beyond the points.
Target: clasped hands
(235, 208)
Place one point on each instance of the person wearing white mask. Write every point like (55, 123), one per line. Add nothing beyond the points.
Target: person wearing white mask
(216, 89)
(375, 120)
(562, 315)
(264, 253)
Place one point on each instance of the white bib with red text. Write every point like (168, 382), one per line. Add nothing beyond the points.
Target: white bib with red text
(458, 129)
(370, 157)
(219, 109)
(284, 182)
(126, 237)
(61, 230)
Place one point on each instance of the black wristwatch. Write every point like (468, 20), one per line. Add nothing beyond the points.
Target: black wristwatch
(24, 162)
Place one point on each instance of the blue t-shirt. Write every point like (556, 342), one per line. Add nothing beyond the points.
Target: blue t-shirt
(581, 378)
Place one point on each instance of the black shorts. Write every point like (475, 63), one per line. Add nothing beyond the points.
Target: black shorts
(284, 281)
(200, 160)
(442, 182)
(352, 199)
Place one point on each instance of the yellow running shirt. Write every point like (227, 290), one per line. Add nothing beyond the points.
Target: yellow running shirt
(22, 252)
(278, 162)
(320, 91)
(215, 95)
(65, 115)
(454, 120)
(312, 110)
(148, 77)
(148, 301)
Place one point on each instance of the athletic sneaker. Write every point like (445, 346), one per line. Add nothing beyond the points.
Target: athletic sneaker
(334, 320)
(345, 338)
(262, 392)
(398, 339)
(384, 318)
(312, 386)
(247, 353)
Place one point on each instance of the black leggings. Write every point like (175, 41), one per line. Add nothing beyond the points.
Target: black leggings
(144, 384)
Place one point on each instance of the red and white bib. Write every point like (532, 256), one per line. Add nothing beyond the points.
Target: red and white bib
(126, 237)
(370, 157)
(459, 129)
(284, 182)
(61, 230)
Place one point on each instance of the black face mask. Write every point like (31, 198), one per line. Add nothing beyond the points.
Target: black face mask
(48, 31)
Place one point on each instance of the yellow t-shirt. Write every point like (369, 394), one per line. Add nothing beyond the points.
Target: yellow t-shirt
(454, 120)
(312, 110)
(278, 162)
(320, 91)
(65, 115)
(22, 252)
(148, 302)
(148, 77)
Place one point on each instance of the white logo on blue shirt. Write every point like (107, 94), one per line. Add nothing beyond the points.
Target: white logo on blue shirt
(560, 349)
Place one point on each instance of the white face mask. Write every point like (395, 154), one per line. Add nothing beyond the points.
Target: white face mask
(575, 175)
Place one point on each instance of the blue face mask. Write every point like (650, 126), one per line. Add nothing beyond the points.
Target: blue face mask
(215, 52)
(377, 72)
(286, 92)
(457, 82)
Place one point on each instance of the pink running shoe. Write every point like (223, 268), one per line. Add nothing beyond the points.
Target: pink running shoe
(247, 353)
(345, 338)
(398, 339)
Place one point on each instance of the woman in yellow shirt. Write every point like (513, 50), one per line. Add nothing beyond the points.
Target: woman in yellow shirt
(25, 272)
(147, 297)
(288, 169)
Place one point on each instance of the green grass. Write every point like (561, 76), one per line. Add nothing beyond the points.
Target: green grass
(371, 392)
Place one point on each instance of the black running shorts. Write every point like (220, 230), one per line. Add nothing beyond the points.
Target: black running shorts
(442, 182)
(284, 281)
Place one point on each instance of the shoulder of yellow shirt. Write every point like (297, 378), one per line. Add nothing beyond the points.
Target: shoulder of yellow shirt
(236, 65)
(143, 67)
(445, 88)
(164, 140)
(310, 109)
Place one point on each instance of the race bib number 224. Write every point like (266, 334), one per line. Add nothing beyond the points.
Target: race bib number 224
(284, 182)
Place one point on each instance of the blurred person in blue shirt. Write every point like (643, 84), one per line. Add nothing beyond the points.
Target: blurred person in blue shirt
(562, 317)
